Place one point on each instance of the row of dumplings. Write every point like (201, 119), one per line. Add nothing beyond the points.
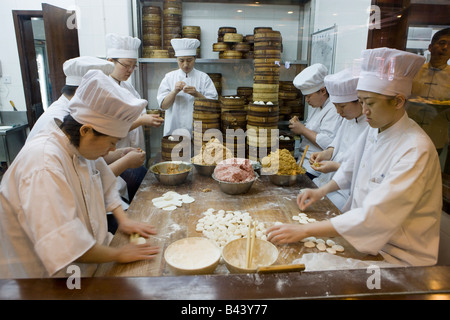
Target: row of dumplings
(224, 226)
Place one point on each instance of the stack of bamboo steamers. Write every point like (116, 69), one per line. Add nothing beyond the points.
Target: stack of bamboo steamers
(263, 113)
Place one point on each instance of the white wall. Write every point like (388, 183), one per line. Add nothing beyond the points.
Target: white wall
(351, 17)
(97, 17)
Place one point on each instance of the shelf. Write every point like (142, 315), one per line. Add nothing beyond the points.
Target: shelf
(214, 61)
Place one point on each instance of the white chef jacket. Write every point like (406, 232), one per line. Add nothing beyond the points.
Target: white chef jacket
(135, 137)
(58, 109)
(343, 144)
(396, 195)
(432, 84)
(53, 206)
(180, 115)
(325, 121)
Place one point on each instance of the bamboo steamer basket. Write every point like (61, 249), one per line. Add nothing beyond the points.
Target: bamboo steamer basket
(167, 146)
(287, 95)
(233, 37)
(232, 54)
(263, 108)
(151, 10)
(244, 91)
(202, 115)
(267, 52)
(257, 79)
(241, 46)
(220, 47)
(250, 38)
(206, 124)
(172, 29)
(266, 97)
(211, 105)
(173, 11)
(258, 119)
(268, 36)
(191, 29)
(261, 29)
(265, 88)
(172, 4)
(267, 44)
(151, 30)
(156, 54)
(217, 80)
(223, 30)
(226, 101)
(234, 116)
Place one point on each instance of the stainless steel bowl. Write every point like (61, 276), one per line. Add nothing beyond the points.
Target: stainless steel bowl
(283, 180)
(235, 187)
(171, 179)
(204, 170)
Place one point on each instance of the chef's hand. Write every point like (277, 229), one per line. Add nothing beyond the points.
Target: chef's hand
(129, 226)
(307, 197)
(152, 120)
(191, 90)
(179, 86)
(285, 233)
(297, 127)
(327, 166)
(135, 158)
(134, 252)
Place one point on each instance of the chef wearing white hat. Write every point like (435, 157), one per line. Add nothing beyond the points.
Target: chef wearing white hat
(322, 122)
(343, 94)
(123, 52)
(74, 70)
(55, 194)
(179, 88)
(394, 175)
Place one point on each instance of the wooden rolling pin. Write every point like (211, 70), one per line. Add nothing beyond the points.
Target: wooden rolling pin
(281, 268)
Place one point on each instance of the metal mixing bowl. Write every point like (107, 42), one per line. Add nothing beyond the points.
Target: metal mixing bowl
(235, 187)
(283, 180)
(171, 179)
(204, 170)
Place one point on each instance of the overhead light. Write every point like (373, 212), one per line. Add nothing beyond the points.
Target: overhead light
(239, 11)
(399, 16)
(290, 12)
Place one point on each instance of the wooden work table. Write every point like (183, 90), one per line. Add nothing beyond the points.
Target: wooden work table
(267, 203)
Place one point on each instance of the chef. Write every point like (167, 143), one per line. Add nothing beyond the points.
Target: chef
(179, 88)
(396, 191)
(123, 52)
(55, 194)
(432, 85)
(74, 69)
(341, 87)
(322, 122)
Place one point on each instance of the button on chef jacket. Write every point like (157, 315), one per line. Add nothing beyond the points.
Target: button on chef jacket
(54, 210)
(325, 121)
(180, 114)
(396, 195)
(343, 144)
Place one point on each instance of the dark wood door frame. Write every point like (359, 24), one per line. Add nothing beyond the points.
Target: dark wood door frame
(28, 64)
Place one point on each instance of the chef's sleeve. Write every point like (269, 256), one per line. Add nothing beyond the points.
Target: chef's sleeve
(163, 90)
(328, 129)
(389, 202)
(208, 88)
(109, 183)
(50, 219)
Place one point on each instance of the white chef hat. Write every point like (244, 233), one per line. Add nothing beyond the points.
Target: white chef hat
(76, 68)
(388, 71)
(125, 47)
(185, 47)
(310, 80)
(341, 86)
(110, 109)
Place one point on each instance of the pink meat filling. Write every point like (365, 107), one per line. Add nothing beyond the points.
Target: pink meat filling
(234, 170)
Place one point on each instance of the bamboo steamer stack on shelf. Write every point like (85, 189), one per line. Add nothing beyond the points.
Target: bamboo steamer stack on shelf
(249, 39)
(151, 32)
(263, 113)
(289, 100)
(193, 32)
(234, 117)
(230, 44)
(217, 80)
(172, 19)
(222, 46)
(206, 116)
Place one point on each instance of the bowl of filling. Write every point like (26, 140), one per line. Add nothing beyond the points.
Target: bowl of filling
(235, 175)
(171, 172)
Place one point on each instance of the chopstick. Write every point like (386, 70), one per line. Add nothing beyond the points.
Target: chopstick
(303, 156)
(251, 242)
